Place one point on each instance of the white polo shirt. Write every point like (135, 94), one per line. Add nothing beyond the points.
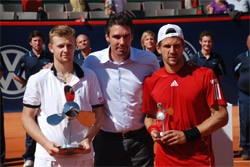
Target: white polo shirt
(45, 90)
(122, 87)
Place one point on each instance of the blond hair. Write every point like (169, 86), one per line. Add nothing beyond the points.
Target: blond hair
(144, 35)
(61, 30)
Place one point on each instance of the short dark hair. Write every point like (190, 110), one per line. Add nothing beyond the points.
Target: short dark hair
(35, 34)
(122, 19)
(206, 33)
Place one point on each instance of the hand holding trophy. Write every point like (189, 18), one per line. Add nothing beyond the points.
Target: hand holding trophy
(161, 116)
(71, 110)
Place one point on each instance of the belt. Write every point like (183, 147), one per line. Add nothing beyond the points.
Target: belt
(123, 135)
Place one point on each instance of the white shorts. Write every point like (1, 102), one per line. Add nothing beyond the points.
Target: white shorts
(43, 163)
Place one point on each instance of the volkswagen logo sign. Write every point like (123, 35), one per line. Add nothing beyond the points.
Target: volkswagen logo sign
(188, 51)
(11, 89)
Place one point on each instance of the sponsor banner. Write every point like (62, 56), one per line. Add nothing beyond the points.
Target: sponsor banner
(230, 41)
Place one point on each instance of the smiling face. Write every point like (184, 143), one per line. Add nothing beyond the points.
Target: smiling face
(206, 43)
(119, 38)
(171, 49)
(63, 48)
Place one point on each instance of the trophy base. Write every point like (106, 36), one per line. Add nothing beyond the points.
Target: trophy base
(159, 134)
(70, 149)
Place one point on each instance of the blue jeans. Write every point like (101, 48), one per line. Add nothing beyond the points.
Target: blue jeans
(30, 148)
(244, 114)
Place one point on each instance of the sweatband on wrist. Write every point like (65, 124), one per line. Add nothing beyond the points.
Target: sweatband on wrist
(192, 134)
(153, 127)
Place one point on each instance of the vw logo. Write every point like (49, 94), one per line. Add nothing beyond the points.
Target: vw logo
(189, 51)
(11, 89)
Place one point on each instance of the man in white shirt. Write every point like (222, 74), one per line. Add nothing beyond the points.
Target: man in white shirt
(45, 96)
(239, 5)
(123, 140)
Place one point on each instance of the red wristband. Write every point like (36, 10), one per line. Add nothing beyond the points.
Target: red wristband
(153, 127)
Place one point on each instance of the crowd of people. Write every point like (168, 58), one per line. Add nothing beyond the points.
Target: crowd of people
(226, 6)
(117, 6)
(124, 86)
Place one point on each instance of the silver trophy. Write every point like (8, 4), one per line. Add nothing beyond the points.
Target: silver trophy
(161, 116)
(71, 111)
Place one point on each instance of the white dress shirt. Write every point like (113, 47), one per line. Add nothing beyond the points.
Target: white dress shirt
(240, 5)
(122, 87)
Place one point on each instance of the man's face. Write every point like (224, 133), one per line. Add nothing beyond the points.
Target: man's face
(37, 43)
(120, 38)
(149, 42)
(63, 48)
(248, 42)
(82, 42)
(206, 43)
(171, 49)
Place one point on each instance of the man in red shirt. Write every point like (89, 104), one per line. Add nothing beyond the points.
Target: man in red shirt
(31, 5)
(196, 99)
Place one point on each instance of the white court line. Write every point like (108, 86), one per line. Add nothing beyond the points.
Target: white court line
(242, 161)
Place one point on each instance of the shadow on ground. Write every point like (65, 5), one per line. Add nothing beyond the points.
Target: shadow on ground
(13, 161)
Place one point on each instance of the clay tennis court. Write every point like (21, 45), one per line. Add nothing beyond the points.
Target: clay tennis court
(15, 139)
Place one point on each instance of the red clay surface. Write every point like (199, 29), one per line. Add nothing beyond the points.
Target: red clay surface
(15, 140)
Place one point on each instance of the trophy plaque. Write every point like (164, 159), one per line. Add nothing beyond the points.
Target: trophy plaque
(71, 111)
(161, 116)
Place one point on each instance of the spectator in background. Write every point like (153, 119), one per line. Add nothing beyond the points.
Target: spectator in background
(41, 14)
(239, 5)
(241, 72)
(79, 5)
(114, 6)
(119, 5)
(109, 7)
(2, 153)
(208, 58)
(148, 42)
(218, 7)
(197, 102)
(83, 44)
(188, 4)
(121, 69)
(31, 63)
(31, 5)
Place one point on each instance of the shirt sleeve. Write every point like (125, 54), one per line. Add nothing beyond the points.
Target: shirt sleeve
(31, 96)
(214, 94)
(236, 67)
(96, 98)
(149, 104)
(156, 64)
(20, 67)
